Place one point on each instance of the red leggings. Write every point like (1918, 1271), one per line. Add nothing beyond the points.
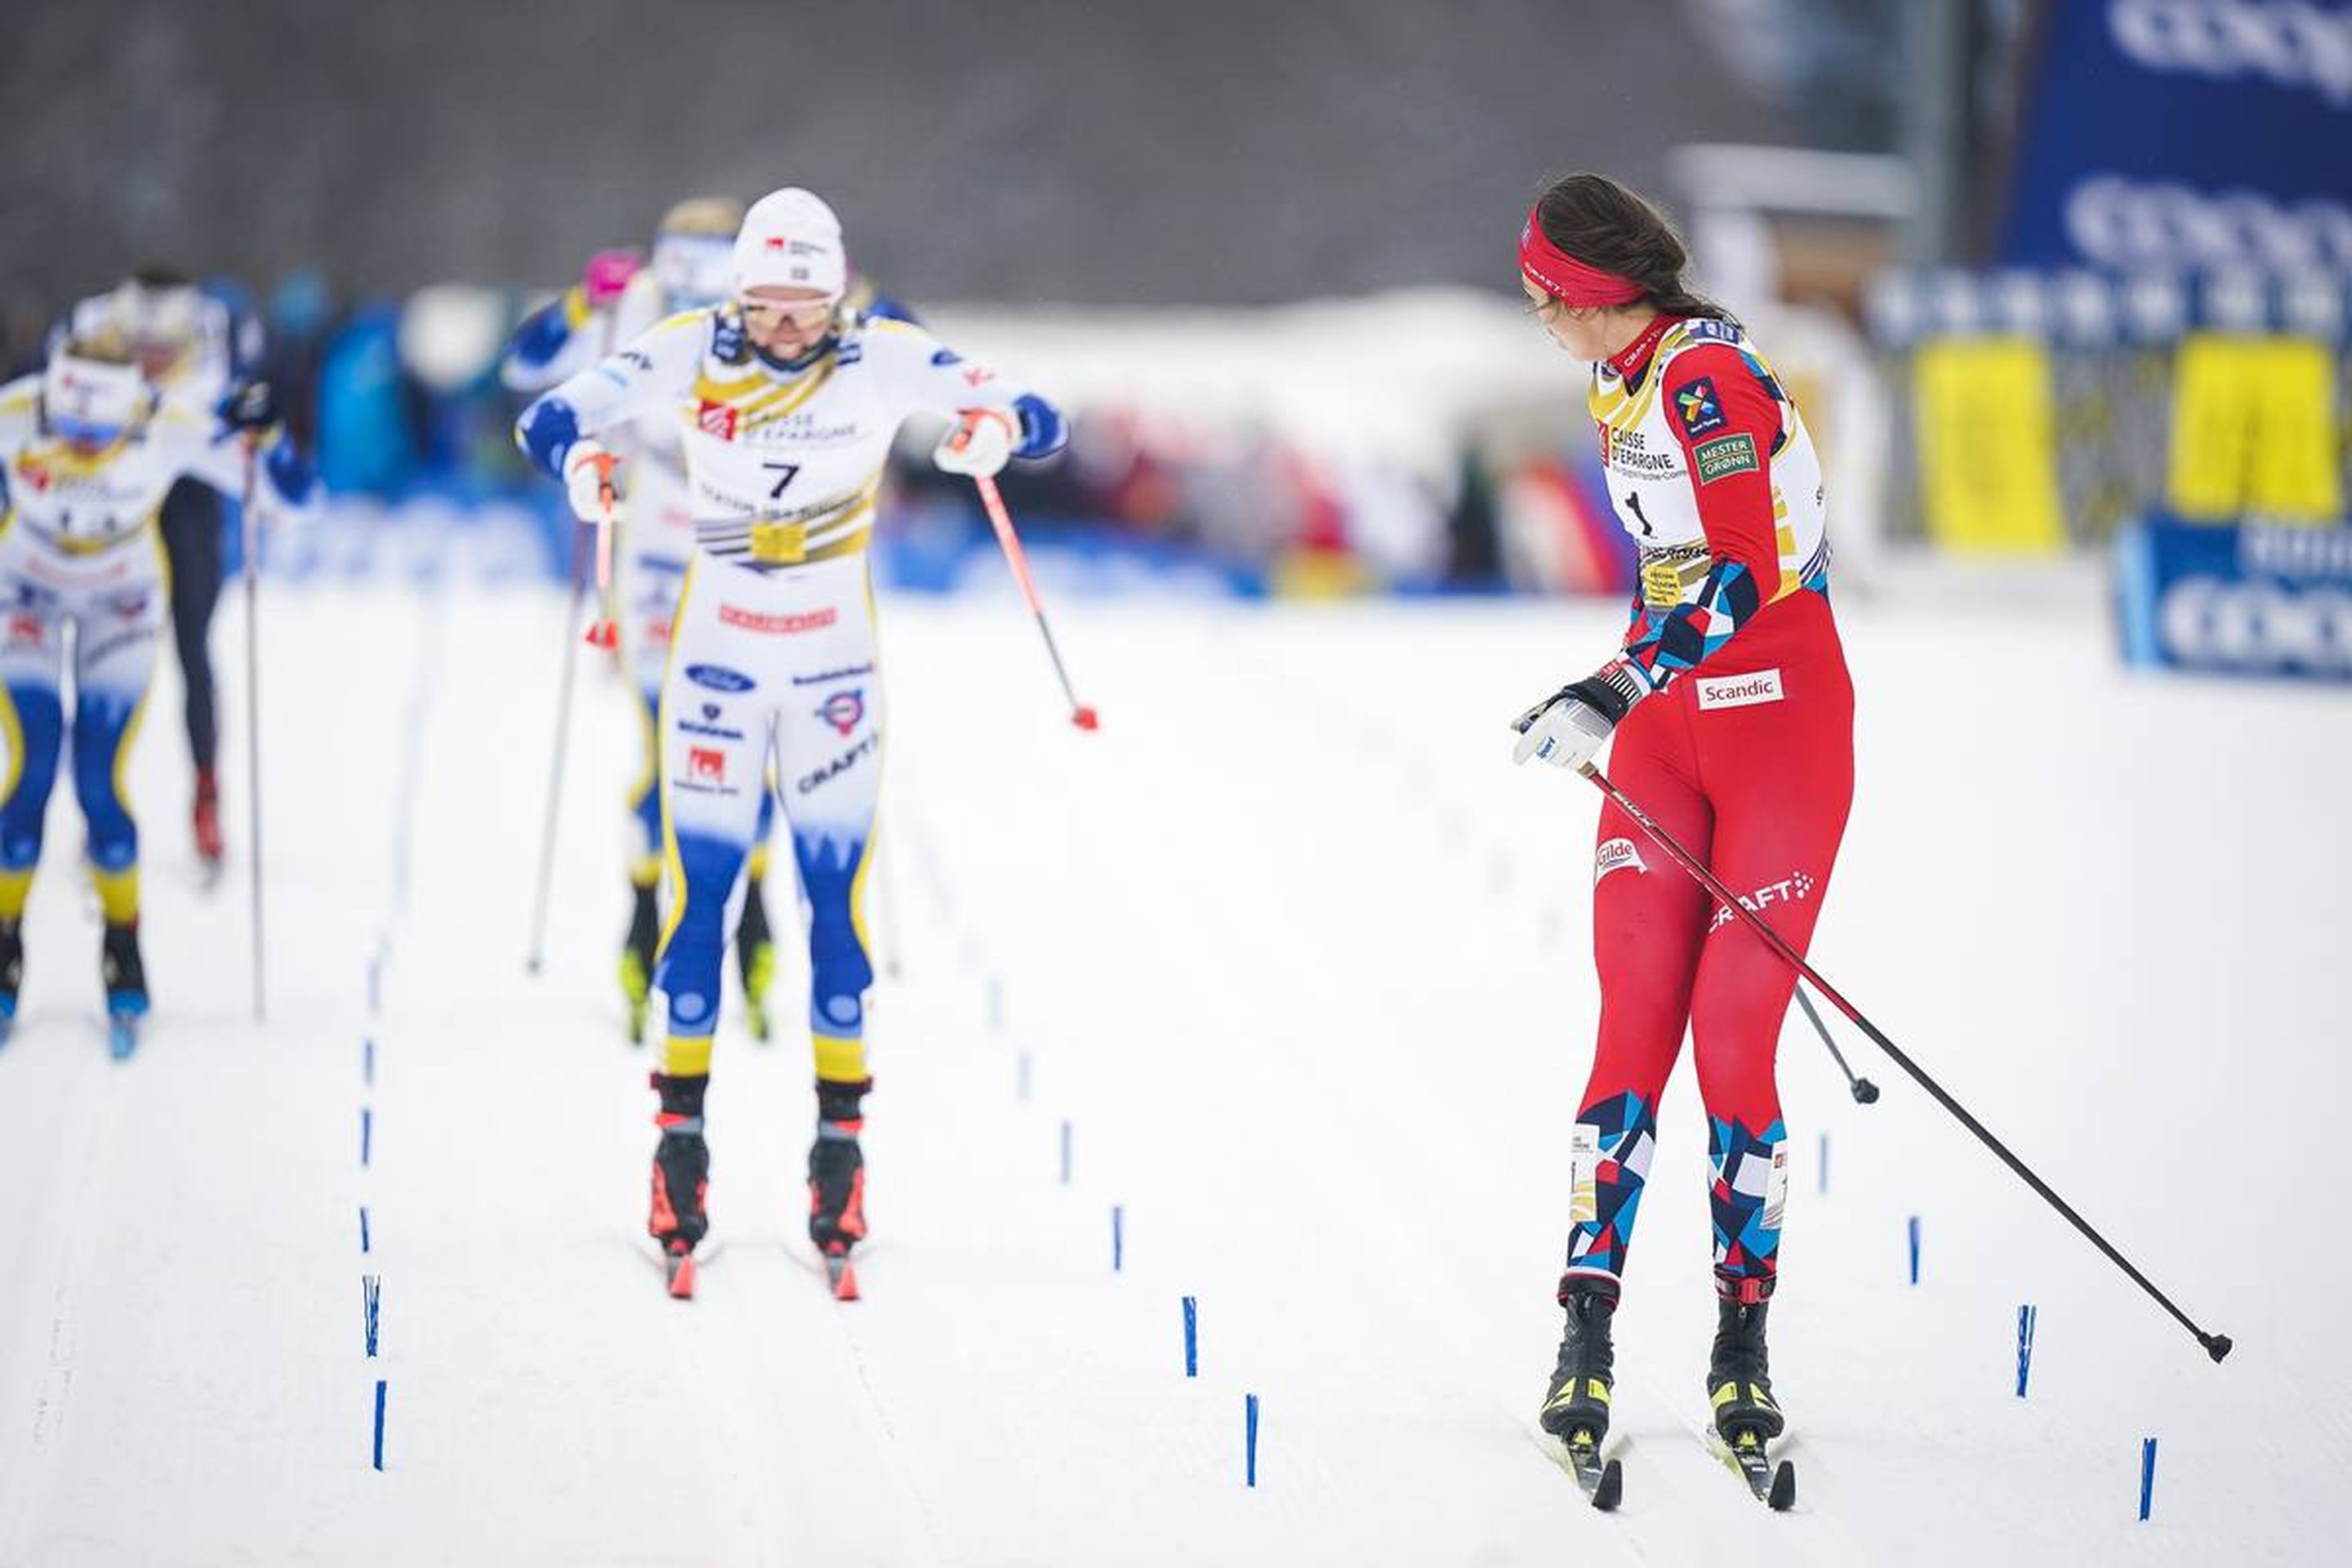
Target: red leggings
(1748, 762)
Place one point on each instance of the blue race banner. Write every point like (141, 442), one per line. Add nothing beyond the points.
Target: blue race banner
(2253, 599)
(2185, 134)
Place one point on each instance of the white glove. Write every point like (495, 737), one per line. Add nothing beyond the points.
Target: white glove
(980, 445)
(1568, 728)
(588, 470)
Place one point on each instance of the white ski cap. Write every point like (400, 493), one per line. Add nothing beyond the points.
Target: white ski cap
(86, 398)
(790, 239)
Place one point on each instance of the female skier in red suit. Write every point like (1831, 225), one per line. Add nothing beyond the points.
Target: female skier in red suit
(1734, 725)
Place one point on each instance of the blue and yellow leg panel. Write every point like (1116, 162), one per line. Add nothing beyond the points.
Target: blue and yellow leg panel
(833, 873)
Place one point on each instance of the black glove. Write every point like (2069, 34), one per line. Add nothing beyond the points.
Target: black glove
(252, 407)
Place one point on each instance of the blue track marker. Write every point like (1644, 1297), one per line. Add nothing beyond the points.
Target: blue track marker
(1249, 1440)
(375, 996)
(1192, 1338)
(379, 1423)
(1065, 1153)
(1117, 1236)
(1913, 1229)
(367, 1133)
(363, 1228)
(2146, 1476)
(1824, 1167)
(371, 1300)
(2025, 1316)
(367, 1061)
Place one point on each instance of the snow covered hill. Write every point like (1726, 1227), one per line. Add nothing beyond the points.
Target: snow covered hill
(1302, 964)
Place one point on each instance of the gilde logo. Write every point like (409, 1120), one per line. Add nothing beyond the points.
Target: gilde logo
(706, 763)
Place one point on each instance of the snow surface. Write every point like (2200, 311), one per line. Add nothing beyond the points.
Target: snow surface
(1303, 961)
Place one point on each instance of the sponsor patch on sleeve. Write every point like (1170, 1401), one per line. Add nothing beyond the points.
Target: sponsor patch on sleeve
(1616, 855)
(1725, 456)
(1698, 408)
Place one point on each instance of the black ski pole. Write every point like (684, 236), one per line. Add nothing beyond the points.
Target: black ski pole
(1863, 1089)
(2216, 1345)
(250, 531)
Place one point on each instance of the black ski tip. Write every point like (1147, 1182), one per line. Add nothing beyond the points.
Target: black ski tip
(1865, 1091)
(2217, 1345)
(1784, 1489)
(1611, 1489)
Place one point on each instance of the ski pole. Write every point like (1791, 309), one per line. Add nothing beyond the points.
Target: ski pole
(1863, 1089)
(250, 537)
(2216, 1345)
(556, 769)
(1083, 717)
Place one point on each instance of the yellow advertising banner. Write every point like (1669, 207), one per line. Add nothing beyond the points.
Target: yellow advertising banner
(1987, 445)
(2255, 431)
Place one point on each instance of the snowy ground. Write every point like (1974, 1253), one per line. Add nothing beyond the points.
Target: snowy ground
(1302, 962)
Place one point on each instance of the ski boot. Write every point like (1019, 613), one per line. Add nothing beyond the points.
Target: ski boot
(1576, 1404)
(755, 954)
(12, 973)
(1738, 1377)
(836, 1181)
(211, 848)
(637, 960)
(681, 1178)
(126, 987)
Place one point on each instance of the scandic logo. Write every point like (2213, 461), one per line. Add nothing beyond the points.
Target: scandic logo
(1740, 690)
(782, 626)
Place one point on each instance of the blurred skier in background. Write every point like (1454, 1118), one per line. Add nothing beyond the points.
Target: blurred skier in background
(92, 451)
(1734, 724)
(784, 403)
(615, 303)
(195, 350)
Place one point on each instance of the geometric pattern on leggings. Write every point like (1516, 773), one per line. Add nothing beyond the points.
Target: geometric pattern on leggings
(1628, 1129)
(1748, 1190)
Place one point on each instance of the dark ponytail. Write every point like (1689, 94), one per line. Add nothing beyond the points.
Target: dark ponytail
(1603, 225)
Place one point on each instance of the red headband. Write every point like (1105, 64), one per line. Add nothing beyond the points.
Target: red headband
(1566, 278)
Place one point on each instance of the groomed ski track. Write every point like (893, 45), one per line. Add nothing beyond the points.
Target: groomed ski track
(1303, 964)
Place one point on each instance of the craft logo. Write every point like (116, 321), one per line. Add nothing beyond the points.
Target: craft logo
(841, 764)
(843, 710)
(37, 475)
(1723, 457)
(1616, 855)
(706, 765)
(781, 626)
(719, 678)
(1794, 889)
(716, 419)
(1698, 407)
(1740, 690)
